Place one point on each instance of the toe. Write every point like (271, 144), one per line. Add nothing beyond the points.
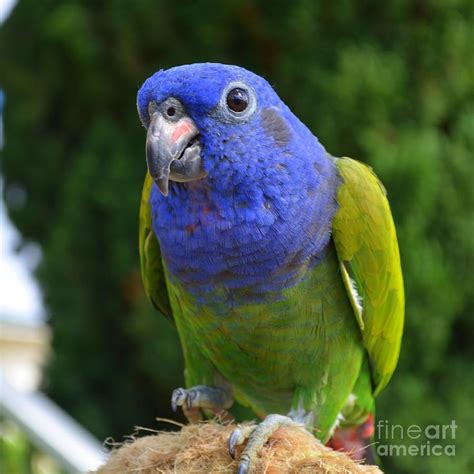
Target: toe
(243, 467)
(234, 440)
(178, 398)
(238, 436)
(191, 397)
(257, 437)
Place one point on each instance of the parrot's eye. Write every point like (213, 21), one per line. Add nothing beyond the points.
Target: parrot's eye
(237, 104)
(170, 111)
(237, 99)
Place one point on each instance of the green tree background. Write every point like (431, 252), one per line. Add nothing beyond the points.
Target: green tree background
(390, 83)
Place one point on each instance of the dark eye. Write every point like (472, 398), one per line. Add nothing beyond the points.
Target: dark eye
(237, 99)
(170, 111)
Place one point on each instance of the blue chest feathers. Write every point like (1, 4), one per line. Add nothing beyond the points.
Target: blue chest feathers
(242, 242)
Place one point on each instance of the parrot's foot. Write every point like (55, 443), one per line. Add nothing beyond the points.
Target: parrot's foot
(199, 397)
(257, 437)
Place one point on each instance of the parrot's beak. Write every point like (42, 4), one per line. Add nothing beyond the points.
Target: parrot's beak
(173, 150)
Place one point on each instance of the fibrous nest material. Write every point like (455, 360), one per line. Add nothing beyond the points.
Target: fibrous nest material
(202, 448)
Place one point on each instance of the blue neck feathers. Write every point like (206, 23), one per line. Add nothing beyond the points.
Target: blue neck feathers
(257, 223)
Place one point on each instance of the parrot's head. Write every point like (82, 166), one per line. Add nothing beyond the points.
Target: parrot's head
(218, 122)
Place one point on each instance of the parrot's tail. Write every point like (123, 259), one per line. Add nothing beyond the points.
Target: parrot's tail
(356, 441)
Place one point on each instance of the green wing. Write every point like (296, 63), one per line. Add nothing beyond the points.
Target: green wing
(367, 247)
(153, 276)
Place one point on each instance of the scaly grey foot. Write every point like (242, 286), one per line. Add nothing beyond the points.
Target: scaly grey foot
(200, 397)
(257, 437)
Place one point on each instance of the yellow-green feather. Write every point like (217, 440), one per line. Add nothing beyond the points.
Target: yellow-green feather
(153, 275)
(367, 248)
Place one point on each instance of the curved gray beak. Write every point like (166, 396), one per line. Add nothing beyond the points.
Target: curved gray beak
(173, 150)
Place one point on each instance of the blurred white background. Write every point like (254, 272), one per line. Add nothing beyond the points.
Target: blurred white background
(20, 298)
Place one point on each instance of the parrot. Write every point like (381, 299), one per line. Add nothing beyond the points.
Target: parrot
(277, 262)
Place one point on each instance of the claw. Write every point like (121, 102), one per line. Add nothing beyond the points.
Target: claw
(191, 395)
(200, 397)
(178, 398)
(238, 436)
(183, 398)
(234, 440)
(257, 437)
(243, 467)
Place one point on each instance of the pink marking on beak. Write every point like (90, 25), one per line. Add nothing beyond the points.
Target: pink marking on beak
(180, 130)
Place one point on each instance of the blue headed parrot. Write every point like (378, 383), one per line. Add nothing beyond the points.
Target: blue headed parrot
(277, 262)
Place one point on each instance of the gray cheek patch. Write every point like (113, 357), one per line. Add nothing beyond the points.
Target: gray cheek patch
(276, 126)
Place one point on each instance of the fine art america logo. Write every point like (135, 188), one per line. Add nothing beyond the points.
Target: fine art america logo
(430, 440)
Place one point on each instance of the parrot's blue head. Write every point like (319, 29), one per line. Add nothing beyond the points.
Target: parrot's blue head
(205, 92)
(243, 174)
(217, 121)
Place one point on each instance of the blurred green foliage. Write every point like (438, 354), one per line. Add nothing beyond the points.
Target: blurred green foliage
(390, 83)
(19, 456)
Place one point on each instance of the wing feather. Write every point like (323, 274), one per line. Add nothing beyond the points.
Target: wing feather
(367, 247)
(153, 275)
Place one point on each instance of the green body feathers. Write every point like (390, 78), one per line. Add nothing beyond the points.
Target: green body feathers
(318, 344)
